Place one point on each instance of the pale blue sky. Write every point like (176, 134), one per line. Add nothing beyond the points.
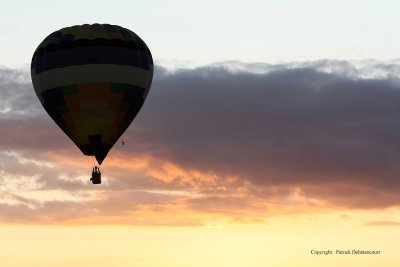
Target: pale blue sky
(200, 32)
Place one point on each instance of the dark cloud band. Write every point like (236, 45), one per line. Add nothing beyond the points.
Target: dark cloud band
(288, 126)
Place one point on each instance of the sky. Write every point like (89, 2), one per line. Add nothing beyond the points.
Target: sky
(270, 131)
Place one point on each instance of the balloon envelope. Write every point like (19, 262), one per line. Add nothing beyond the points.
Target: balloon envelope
(92, 80)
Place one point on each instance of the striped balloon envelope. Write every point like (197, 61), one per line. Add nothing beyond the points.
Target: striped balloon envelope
(92, 80)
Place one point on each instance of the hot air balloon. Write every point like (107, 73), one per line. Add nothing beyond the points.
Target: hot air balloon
(92, 80)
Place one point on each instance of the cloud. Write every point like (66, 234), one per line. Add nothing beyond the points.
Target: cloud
(286, 126)
(248, 135)
(17, 97)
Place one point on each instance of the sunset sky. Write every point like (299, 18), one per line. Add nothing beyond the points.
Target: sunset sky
(271, 129)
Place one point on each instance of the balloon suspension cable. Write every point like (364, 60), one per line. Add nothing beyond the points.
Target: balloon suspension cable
(93, 161)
